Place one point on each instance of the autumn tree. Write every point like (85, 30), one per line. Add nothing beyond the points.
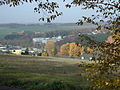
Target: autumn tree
(47, 7)
(89, 50)
(51, 47)
(64, 49)
(44, 54)
(105, 72)
(76, 49)
(72, 49)
(110, 39)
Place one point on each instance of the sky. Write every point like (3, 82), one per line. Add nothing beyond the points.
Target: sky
(25, 14)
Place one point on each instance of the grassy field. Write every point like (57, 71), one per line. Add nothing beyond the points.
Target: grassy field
(42, 28)
(41, 73)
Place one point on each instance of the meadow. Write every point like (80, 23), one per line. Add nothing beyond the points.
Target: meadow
(5, 30)
(42, 73)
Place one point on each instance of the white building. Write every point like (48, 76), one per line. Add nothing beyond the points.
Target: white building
(44, 40)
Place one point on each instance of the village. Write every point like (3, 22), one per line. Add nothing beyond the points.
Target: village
(44, 50)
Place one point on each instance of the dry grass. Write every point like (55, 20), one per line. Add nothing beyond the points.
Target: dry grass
(44, 69)
(43, 65)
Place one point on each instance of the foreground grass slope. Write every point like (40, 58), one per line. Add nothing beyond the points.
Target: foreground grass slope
(41, 73)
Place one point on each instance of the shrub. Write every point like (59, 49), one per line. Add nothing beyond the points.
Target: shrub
(44, 54)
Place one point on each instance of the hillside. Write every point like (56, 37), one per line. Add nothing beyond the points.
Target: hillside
(6, 29)
(41, 73)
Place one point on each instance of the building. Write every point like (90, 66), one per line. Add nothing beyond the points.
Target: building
(44, 40)
(16, 51)
(86, 57)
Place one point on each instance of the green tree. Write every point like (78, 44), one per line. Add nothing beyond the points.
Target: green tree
(26, 51)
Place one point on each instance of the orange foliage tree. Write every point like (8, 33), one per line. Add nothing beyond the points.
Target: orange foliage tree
(64, 49)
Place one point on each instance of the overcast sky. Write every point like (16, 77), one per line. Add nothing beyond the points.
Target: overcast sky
(25, 14)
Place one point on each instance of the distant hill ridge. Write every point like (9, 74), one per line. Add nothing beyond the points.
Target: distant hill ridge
(38, 24)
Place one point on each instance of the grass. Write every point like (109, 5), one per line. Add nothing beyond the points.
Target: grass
(41, 73)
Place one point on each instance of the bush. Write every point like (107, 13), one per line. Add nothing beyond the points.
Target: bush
(44, 54)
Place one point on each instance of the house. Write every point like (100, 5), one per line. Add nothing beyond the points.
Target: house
(86, 57)
(16, 51)
(2, 47)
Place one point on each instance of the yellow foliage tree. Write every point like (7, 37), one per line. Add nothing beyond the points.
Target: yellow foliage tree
(75, 49)
(72, 49)
(51, 48)
(89, 50)
(44, 54)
